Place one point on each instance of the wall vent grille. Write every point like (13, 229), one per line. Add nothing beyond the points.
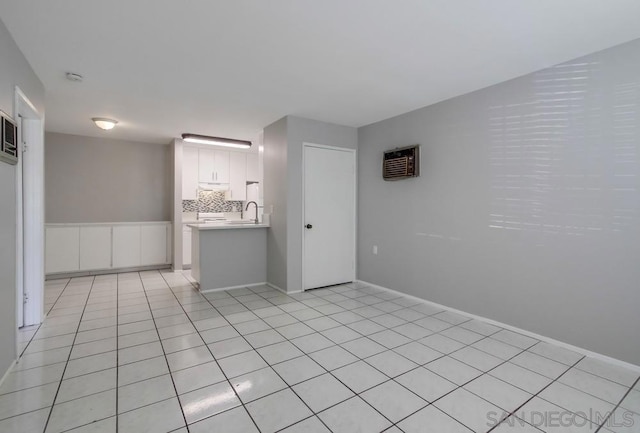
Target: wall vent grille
(401, 163)
(8, 142)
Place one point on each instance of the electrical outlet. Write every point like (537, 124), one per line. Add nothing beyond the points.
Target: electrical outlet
(375, 250)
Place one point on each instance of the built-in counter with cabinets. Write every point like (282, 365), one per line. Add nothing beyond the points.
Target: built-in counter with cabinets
(228, 255)
(71, 248)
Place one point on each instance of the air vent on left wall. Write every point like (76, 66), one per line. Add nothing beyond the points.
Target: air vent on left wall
(9, 139)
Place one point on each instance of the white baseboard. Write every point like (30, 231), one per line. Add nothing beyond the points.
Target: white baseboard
(6, 373)
(96, 272)
(568, 346)
(273, 286)
(220, 289)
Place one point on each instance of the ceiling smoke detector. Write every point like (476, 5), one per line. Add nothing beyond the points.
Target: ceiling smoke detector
(76, 78)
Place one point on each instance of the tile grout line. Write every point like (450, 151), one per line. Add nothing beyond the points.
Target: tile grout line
(265, 361)
(387, 349)
(513, 412)
(320, 332)
(356, 394)
(184, 417)
(42, 323)
(465, 345)
(601, 426)
(211, 353)
(53, 403)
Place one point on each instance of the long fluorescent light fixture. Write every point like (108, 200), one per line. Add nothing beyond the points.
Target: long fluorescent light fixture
(217, 141)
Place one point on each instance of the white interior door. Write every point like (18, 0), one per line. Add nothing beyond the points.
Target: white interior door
(329, 216)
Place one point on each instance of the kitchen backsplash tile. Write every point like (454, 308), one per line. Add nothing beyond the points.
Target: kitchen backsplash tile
(211, 201)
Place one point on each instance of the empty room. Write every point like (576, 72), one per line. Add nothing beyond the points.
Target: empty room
(353, 216)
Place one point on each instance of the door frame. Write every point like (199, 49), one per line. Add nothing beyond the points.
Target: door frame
(29, 212)
(306, 145)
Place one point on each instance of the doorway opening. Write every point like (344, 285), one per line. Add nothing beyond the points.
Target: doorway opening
(29, 212)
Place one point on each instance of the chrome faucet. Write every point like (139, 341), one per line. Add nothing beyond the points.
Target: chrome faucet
(256, 204)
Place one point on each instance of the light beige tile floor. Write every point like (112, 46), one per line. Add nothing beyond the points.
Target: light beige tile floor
(146, 352)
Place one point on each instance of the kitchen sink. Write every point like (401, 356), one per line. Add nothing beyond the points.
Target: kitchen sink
(240, 222)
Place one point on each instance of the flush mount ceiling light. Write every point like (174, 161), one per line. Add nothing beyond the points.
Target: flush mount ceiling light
(217, 141)
(104, 123)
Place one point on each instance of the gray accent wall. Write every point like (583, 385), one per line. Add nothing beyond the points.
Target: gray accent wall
(527, 210)
(14, 71)
(283, 152)
(92, 180)
(275, 201)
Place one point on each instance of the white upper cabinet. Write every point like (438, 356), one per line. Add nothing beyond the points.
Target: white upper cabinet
(213, 166)
(221, 166)
(237, 177)
(206, 162)
(253, 168)
(189, 173)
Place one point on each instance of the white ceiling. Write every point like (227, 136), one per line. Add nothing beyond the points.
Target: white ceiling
(229, 68)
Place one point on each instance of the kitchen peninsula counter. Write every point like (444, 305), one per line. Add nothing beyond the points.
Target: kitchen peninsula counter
(228, 255)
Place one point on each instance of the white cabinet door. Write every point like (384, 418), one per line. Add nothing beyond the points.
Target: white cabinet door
(237, 177)
(221, 167)
(95, 248)
(213, 166)
(253, 168)
(154, 245)
(62, 249)
(206, 165)
(126, 246)
(190, 169)
(186, 246)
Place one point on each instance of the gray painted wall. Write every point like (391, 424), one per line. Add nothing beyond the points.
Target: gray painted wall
(104, 180)
(283, 142)
(528, 207)
(14, 70)
(275, 199)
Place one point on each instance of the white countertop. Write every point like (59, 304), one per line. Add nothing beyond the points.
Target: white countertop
(140, 223)
(226, 226)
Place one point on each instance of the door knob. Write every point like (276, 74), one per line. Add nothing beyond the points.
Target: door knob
(309, 226)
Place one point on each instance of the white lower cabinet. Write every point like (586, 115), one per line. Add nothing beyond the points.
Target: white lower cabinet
(95, 247)
(153, 245)
(186, 246)
(126, 246)
(62, 249)
(103, 246)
